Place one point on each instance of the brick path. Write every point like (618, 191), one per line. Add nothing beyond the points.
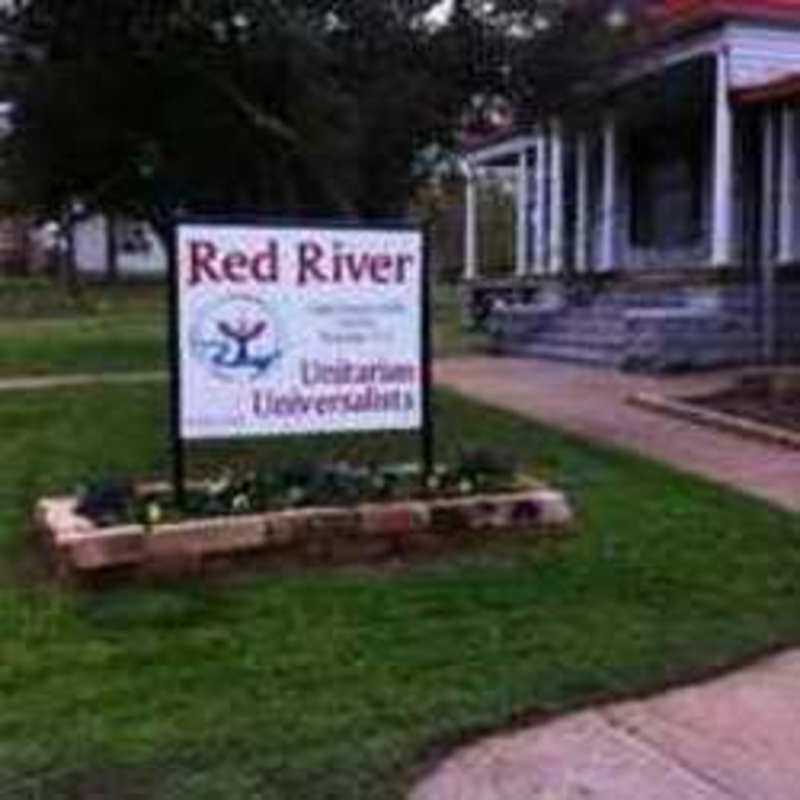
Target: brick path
(590, 402)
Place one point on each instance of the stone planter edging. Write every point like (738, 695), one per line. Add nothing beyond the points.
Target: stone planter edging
(718, 420)
(79, 547)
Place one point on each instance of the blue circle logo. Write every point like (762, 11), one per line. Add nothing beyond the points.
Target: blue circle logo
(237, 338)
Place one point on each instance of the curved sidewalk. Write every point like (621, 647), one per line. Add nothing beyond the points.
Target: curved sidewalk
(590, 402)
(734, 738)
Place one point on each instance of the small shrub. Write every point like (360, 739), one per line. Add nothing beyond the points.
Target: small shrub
(297, 486)
(106, 502)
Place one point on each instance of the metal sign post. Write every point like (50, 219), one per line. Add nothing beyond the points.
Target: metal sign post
(427, 430)
(174, 356)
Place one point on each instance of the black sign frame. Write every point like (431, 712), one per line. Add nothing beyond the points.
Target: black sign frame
(177, 442)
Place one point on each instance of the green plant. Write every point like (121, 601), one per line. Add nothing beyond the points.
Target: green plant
(486, 467)
(106, 501)
(302, 484)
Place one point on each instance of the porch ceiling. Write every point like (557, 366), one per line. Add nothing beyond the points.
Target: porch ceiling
(499, 151)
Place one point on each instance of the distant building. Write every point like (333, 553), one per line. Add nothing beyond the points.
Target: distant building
(102, 247)
(665, 233)
(106, 247)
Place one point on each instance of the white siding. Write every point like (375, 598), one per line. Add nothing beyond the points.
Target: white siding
(144, 264)
(89, 239)
(91, 252)
(760, 53)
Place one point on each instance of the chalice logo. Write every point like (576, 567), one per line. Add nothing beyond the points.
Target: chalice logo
(237, 338)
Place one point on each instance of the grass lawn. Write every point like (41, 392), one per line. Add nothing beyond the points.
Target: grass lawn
(81, 344)
(108, 329)
(449, 336)
(336, 684)
(123, 328)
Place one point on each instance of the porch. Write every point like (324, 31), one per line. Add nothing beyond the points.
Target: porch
(655, 228)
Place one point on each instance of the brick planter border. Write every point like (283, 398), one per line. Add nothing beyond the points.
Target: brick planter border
(718, 420)
(79, 548)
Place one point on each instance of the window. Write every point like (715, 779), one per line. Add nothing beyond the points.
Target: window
(133, 238)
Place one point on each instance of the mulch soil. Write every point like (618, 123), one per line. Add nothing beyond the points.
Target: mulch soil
(780, 409)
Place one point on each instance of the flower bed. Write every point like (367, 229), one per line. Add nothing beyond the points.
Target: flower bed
(299, 485)
(165, 542)
(762, 405)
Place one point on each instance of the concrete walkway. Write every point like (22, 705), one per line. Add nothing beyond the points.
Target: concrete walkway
(735, 738)
(37, 383)
(590, 402)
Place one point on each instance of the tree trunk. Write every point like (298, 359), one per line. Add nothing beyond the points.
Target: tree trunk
(112, 248)
(67, 266)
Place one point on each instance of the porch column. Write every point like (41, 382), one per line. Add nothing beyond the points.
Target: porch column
(581, 202)
(722, 192)
(556, 197)
(609, 205)
(788, 191)
(768, 235)
(540, 209)
(522, 214)
(768, 186)
(470, 228)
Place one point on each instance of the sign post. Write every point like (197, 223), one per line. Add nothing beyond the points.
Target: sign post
(173, 359)
(283, 330)
(427, 428)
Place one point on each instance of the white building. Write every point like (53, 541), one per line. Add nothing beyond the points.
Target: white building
(121, 247)
(674, 211)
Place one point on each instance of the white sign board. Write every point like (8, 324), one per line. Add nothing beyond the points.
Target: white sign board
(298, 330)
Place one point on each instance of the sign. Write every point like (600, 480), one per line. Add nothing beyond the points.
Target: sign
(297, 330)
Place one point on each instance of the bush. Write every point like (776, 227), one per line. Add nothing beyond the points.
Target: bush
(110, 502)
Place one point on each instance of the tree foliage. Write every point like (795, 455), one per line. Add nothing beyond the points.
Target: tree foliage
(311, 107)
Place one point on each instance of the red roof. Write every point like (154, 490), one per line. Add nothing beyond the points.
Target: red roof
(680, 6)
(696, 11)
(782, 89)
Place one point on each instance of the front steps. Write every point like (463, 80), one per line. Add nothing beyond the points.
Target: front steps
(591, 333)
(599, 341)
(606, 355)
(620, 327)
